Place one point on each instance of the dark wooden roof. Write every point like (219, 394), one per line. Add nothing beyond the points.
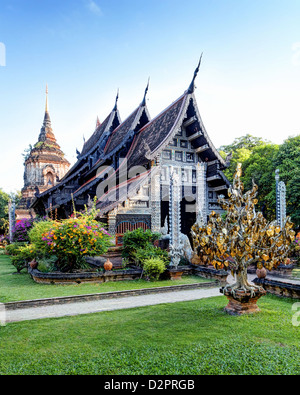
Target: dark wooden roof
(96, 136)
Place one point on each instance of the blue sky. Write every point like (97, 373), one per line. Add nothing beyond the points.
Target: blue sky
(88, 49)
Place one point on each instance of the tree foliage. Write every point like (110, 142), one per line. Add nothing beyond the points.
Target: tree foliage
(260, 159)
(4, 199)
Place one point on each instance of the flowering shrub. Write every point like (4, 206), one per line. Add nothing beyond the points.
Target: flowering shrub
(21, 229)
(73, 239)
(36, 232)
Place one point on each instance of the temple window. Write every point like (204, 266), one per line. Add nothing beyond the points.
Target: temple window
(178, 156)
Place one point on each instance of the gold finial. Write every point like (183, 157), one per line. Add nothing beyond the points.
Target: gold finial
(46, 97)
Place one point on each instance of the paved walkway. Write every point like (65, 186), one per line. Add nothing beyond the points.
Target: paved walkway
(97, 306)
(87, 307)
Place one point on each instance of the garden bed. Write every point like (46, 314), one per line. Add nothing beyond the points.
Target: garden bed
(84, 277)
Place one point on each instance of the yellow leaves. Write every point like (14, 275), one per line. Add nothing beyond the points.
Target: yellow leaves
(209, 230)
(292, 235)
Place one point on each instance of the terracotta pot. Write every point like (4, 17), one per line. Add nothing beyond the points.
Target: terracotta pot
(108, 265)
(261, 273)
(33, 264)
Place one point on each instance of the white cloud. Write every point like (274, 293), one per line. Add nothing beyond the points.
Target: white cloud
(94, 8)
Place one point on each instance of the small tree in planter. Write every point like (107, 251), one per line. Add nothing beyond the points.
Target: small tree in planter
(239, 239)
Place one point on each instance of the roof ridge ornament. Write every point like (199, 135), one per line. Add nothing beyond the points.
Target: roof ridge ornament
(116, 103)
(146, 91)
(192, 85)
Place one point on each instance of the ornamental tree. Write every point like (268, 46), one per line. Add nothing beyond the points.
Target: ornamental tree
(242, 237)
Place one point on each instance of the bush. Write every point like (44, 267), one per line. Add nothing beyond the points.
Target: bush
(47, 265)
(21, 229)
(22, 256)
(150, 251)
(36, 232)
(154, 267)
(136, 240)
(13, 248)
(73, 239)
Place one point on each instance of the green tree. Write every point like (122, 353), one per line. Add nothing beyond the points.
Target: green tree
(260, 166)
(288, 162)
(260, 159)
(4, 199)
(248, 141)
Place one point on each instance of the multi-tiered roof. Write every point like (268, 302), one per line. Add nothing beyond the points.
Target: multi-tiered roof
(137, 141)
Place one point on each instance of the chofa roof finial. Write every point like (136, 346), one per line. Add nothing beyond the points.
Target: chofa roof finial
(146, 91)
(192, 86)
(117, 98)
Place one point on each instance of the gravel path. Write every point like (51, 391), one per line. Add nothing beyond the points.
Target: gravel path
(71, 309)
(95, 306)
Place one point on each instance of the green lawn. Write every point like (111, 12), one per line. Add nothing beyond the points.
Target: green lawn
(15, 287)
(195, 337)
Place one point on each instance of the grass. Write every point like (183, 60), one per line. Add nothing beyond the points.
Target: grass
(296, 273)
(196, 338)
(187, 338)
(16, 287)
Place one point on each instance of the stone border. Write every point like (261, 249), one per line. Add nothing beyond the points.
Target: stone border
(211, 273)
(279, 288)
(84, 277)
(23, 304)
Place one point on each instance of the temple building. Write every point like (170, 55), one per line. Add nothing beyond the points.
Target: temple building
(45, 165)
(127, 165)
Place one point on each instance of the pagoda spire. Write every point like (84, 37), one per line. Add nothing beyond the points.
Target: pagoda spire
(47, 120)
(192, 85)
(46, 133)
(46, 109)
(146, 91)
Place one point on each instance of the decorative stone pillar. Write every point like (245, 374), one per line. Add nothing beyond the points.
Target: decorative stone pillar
(11, 217)
(280, 200)
(155, 201)
(176, 250)
(112, 215)
(201, 198)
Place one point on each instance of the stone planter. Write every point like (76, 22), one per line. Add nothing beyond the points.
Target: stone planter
(84, 277)
(211, 273)
(280, 288)
(242, 302)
